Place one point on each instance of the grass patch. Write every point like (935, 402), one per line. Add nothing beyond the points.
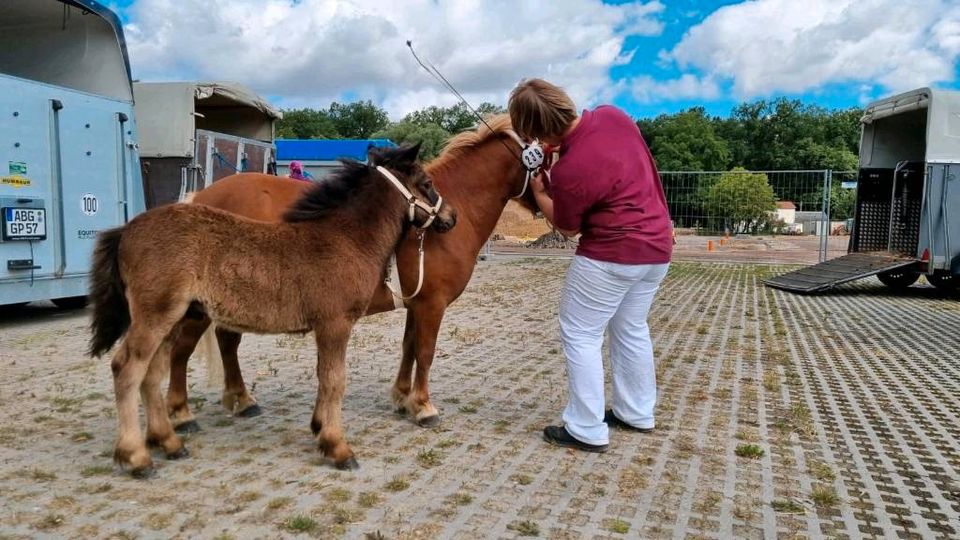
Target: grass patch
(522, 479)
(467, 409)
(824, 496)
(397, 483)
(300, 524)
(429, 458)
(82, 436)
(339, 495)
(618, 526)
(525, 528)
(49, 522)
(278, 503)
(501, 426)
(96, 470)
(788, 506)
(447, 443)
(369, 499)
(461, 499)
(822, 471)
(41, 475)
(749, 451)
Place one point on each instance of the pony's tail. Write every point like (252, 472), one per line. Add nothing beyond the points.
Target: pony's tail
(111, 314)
(209, 350)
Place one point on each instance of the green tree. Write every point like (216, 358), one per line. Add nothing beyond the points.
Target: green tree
(306, 124)
(431, 136)
(451, 119)
(686, 141)
(740, 201)
(357, 120)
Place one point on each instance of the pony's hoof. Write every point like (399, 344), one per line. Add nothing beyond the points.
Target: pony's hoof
(349, 464)
(179, 454)
(250, 412)
(429, 421)
(187, 427)
(143, 473)
(400, 409)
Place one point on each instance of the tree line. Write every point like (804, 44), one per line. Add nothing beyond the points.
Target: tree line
(763, 135)
(778, 134)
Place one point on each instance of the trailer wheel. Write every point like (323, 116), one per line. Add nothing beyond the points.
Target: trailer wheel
(946, 282)
(70, 302)
(899, 279)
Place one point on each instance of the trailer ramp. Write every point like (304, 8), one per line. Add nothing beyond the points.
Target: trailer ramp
(829, 274)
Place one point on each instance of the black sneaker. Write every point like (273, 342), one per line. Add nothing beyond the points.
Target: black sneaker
(558, 436)
(612, 421)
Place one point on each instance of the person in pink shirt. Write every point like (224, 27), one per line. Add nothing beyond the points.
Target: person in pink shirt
(296, 171)
(604, 187)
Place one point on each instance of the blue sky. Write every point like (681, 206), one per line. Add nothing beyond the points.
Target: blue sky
(652, 57)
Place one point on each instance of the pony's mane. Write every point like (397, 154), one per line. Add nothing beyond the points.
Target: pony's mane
(469, 139)
(330, 193)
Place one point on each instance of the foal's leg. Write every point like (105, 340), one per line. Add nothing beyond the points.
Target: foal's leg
(183, 346)
(159, 430)
(425, 344)
(326, 424)
(401, 387)
(129, 368)
(236, 399)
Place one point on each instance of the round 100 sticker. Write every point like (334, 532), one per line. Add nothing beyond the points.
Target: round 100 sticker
(89, 204)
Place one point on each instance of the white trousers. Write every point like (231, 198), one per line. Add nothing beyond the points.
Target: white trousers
(597, 294)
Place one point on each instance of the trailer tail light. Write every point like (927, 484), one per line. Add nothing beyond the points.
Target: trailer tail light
(925, 260)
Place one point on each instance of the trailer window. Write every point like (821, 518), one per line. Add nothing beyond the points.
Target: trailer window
(50, 42)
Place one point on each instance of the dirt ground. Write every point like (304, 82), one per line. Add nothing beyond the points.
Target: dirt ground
(779, 416)
(517, 228)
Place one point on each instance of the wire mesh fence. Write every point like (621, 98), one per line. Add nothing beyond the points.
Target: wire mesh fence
(762, 216)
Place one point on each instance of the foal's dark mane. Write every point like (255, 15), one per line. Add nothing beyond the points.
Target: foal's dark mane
(332, 192)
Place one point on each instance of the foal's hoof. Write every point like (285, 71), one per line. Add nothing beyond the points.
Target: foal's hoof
(143, 473)
(429, 421)
(188, 427)
(250, 412)
(349, 464)
(179, 454)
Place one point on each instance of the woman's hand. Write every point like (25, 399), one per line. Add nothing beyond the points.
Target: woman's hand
(539, 185)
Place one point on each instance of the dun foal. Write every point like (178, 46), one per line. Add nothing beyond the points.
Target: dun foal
(317, 270)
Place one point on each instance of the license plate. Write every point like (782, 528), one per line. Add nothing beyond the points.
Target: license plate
(24, 223)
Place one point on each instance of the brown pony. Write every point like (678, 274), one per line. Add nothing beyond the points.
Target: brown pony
(316, 271)
(478, 172)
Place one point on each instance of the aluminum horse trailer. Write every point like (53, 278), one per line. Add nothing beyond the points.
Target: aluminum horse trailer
(907, 214)
(68, 158)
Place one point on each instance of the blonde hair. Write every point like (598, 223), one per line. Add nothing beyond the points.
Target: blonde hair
(539, 109)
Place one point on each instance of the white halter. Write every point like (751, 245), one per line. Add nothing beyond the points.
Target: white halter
(393, 279)
(531, 156)
(414, 202)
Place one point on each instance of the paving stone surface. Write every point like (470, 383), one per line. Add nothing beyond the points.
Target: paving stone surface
(780, 416)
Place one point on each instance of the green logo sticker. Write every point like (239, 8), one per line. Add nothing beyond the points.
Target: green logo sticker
(18, 167)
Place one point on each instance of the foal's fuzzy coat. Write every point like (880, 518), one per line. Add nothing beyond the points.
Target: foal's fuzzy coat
(316, 271)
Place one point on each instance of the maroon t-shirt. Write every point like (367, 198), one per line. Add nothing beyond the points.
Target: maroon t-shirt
(606, 185)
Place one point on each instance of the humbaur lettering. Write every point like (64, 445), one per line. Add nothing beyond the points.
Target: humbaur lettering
(15, 181)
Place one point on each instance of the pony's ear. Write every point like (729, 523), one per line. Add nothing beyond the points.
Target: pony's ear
(409, 153)
(402, 158)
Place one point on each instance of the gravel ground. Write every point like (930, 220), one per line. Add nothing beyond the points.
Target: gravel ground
(779, 416)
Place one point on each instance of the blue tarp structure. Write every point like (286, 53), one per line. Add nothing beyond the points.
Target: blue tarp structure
(326, 149)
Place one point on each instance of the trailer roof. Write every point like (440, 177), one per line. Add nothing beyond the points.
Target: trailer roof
(942, 142)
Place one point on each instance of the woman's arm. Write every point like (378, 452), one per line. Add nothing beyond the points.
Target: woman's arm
(545, 202)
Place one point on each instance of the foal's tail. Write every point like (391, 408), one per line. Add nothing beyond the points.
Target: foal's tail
(209, 350)
(111, 314)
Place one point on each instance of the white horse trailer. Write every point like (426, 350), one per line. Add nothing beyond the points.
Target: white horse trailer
(907, 215)
(68, 158)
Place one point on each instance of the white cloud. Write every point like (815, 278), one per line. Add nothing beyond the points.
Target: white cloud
(768, 46)
(646, 89)
(314, 51)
